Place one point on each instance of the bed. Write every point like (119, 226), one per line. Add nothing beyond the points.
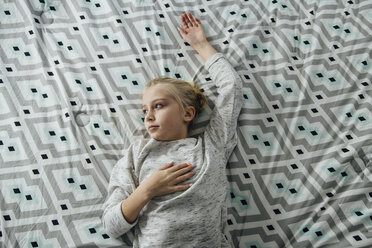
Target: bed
(71, 74)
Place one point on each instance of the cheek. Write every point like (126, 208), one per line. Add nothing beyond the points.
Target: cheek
(171, 117)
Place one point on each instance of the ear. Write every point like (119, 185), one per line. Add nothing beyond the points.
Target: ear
(189, 114)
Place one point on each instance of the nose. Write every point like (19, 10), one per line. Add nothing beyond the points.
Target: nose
(150, 116)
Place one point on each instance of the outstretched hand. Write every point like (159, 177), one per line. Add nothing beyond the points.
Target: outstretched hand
(192, 32)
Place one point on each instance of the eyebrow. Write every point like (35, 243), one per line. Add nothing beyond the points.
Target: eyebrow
(158, 99)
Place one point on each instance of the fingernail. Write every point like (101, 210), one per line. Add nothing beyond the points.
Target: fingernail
(188, 164)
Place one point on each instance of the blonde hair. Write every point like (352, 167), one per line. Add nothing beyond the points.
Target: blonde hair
(185, 93)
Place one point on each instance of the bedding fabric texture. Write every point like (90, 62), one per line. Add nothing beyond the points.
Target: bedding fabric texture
(71, 75)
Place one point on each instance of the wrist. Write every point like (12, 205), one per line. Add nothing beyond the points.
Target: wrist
(145, 193)
(201, 45)
(205, 50)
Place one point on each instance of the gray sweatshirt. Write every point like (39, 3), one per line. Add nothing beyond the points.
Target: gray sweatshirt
(191, 218)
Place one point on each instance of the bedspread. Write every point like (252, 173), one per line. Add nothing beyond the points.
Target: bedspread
(71, 75)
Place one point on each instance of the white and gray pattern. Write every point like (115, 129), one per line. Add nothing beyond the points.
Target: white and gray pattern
(70, 77)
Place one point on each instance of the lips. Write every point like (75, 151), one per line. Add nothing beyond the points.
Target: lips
(153, 127)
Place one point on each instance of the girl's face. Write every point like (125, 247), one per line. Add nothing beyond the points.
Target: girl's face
(164, 117)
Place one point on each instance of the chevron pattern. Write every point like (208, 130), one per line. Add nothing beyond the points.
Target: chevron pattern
(71, 75)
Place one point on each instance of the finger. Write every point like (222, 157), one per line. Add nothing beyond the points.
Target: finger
(166, 166)
(188, 20)
(192, 20)
(178, 167)
(198, 21)
(184, 177)
(181, 187)
(184, 20)
(182, 171)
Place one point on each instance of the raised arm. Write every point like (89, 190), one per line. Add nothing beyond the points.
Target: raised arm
(222, 127)
(192, 32)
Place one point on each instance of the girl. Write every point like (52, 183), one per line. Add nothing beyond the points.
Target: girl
(179, 203)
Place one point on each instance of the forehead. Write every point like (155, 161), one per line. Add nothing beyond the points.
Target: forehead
(155, 92)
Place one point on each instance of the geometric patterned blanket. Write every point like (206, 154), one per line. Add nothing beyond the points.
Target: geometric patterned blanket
(71, 74)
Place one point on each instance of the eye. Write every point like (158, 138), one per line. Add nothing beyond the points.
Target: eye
(144, 111)
(158, 105)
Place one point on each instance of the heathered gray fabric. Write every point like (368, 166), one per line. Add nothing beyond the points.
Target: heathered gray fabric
(195, 217)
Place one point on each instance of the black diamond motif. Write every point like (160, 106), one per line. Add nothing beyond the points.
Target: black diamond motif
(293, 191)
(357, 238)
(358, 213)
(331, 169)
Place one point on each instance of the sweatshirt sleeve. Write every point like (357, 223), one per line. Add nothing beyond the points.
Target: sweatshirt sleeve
(223, 121)
(121, 186)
